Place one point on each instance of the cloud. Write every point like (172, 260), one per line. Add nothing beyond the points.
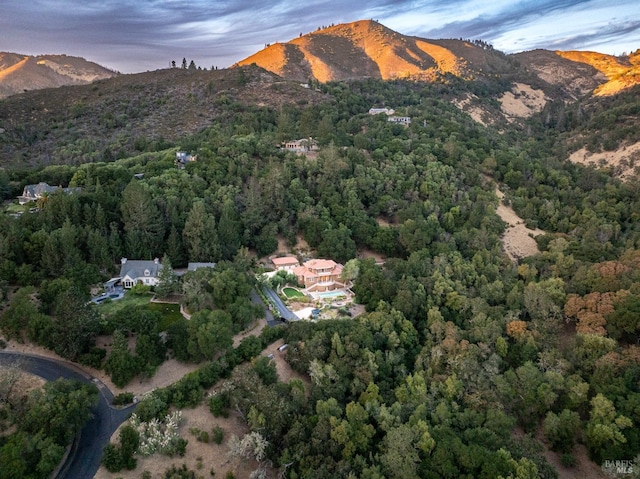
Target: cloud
(134, 35)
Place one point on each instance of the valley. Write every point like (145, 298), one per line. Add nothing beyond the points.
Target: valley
(482, 211)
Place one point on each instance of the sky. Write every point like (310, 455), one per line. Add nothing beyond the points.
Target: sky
(132, 36)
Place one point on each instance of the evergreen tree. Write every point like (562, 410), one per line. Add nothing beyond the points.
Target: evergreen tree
(200, 234)
(167, 279)
(229, 231)
(143, 225)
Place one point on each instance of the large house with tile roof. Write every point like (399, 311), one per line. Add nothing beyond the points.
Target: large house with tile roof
(319, 275)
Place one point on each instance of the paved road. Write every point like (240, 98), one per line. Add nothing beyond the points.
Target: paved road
(285, 312)
(256, 299)
(84, 460)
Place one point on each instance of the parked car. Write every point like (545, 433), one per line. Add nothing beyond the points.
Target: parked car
(283, 347)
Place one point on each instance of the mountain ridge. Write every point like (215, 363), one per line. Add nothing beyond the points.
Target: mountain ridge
(20, 73)
(368, 49)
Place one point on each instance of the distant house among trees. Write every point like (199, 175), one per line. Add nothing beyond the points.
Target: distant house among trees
(301, 146)
(35, 192)
(135, 272)
(195, 266)
(377, 111)
(182, 158)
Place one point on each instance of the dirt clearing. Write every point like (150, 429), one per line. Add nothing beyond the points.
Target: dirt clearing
(518, 241)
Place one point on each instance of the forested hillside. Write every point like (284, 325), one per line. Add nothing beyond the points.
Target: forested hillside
(465, 364)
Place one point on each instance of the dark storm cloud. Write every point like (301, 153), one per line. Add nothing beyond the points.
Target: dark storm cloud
(136, 35)
(512, 16)
(609, 33)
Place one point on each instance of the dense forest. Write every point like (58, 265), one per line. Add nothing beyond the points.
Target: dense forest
(465, 364)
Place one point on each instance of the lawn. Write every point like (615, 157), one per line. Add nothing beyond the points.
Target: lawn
(169, 312)
(292, 293)
(130, 300)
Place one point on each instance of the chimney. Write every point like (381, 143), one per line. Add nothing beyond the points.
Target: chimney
(156, 260)
(123, 260)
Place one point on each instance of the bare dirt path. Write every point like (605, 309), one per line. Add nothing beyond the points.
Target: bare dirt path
(518, 241)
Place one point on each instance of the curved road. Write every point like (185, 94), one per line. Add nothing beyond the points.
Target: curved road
(84, 460)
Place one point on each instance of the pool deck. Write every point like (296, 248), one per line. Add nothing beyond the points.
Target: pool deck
(336, 294)
(117, 294)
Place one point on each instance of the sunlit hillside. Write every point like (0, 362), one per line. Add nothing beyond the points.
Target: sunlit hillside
(20, 73)
(621, 72)
(355, 50)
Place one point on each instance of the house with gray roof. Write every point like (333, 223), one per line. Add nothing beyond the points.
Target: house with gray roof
(195, 266)
(135, 272)
(35, 192)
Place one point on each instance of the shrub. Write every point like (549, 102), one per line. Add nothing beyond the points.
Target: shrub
(140, 289)
(218, 404)
(567, 460)
(111, 458)
(123, 399)
(217, 435)
(152, 406)
(118, 457)
(201, 436)
(93, 358)
(175, 472)
(160, 436)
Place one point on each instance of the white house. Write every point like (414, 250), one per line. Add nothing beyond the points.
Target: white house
(135, 272)
(377, 111)
(301, 146)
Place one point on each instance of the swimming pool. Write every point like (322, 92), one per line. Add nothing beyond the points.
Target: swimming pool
(331, 294)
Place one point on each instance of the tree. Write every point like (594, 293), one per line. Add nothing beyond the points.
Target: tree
(192, 65)
(229, 231)
(121, 365)
(10, 377)
(604, 428)
(175, 248)
(184, 63)
(17, 315)
(59, 410)
(143, 225)
(403, 446)
(562, 429)
(624, 321)
(61, 253)
(200, 234)
(353, 434)
(337, 244)
(121, 456)
(75, 325)
(167, 279)
(350, 270)
(210, 333)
